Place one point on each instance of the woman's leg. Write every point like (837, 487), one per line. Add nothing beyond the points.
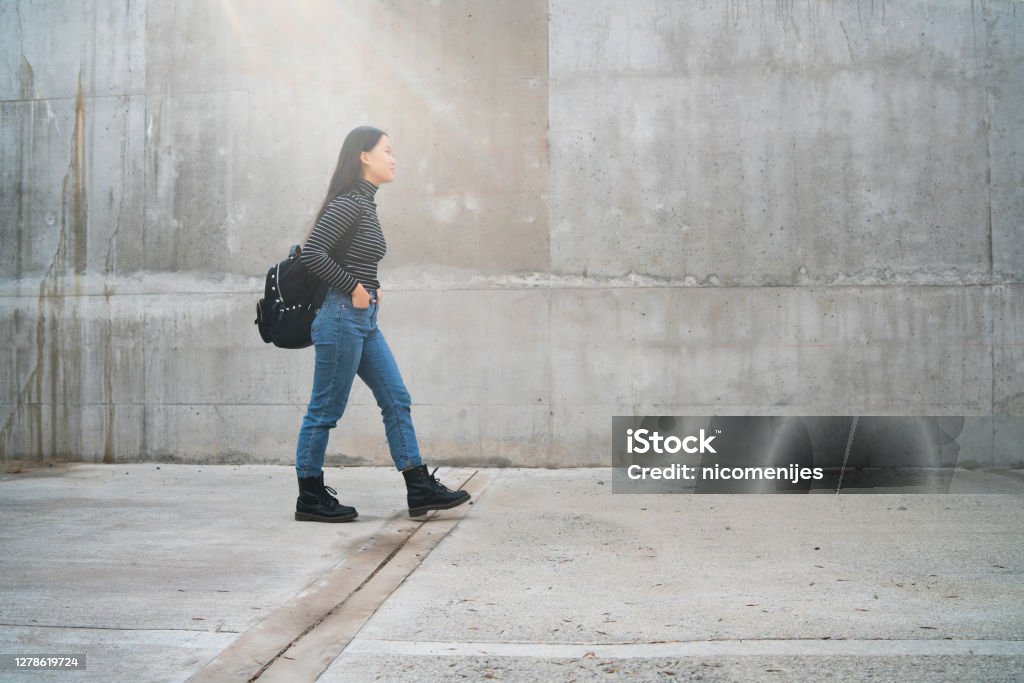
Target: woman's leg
(380, 372)
(338, 332)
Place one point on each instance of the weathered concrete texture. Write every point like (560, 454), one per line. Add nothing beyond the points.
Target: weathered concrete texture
(778, 351)
(876, 577)
(154, 570)
(73, 399)
(1005, 99)
(72, 194)
(820, 580)
(72, 142)
(777, 144)
(515, 376)
(1008, 351)
(48, 45)
(725, 208)
(245, 136)
(163, 579)
(591, 667)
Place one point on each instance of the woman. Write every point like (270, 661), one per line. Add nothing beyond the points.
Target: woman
(347, 339)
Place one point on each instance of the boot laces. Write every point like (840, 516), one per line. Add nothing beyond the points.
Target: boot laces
(436, 483)
(327, 495)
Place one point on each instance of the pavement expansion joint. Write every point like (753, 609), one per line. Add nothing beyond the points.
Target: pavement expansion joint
(301, 638)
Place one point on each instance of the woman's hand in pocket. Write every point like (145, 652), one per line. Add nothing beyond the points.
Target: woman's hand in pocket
(360, 297)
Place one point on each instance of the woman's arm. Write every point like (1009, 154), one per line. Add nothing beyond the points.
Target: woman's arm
(341, 215)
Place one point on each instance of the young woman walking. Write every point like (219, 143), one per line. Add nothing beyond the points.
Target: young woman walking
(348, 341)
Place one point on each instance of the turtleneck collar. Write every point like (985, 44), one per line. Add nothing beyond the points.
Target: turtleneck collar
(366, 187)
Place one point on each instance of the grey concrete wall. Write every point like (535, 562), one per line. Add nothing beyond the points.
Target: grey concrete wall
(600, 209)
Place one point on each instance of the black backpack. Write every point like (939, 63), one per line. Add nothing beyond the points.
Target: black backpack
(291, 298)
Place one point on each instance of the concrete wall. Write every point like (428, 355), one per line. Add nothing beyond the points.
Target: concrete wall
(600, 209)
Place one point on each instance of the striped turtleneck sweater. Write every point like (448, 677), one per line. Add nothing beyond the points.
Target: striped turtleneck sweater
(351, 210)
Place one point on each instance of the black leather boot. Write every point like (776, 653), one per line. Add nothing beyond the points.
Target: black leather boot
(427, 493)
(316, 504)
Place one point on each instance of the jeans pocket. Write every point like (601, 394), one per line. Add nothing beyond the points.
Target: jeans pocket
(344, 301)
(327, 314)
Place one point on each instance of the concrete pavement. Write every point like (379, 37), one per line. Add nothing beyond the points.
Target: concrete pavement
(163, 572)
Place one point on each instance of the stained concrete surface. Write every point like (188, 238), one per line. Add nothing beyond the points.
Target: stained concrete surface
(152, 570)
(157, 568)
(665, 208)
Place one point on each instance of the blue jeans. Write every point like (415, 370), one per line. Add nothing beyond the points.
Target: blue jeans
(348, 342)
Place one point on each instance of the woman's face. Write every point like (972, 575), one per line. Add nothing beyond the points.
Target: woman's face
(378, 163)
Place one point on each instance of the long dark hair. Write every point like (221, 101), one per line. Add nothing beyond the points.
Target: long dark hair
(350, 168)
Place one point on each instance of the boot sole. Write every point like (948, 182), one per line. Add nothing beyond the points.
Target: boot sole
(422, 510)
(307, 517)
